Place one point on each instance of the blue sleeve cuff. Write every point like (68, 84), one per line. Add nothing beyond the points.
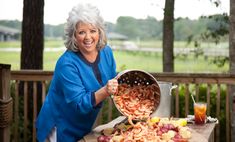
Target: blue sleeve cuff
(93, 101)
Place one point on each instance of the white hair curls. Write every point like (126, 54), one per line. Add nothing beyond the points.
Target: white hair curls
(85, 13)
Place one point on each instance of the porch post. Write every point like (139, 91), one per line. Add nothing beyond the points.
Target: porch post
(5, 103)
(233, 114)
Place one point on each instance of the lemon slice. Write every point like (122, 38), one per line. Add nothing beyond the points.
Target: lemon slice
(155, 119)
(182, 122)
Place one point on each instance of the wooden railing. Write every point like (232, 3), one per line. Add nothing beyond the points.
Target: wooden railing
(189, 83)
(215, 81)
(28, 78)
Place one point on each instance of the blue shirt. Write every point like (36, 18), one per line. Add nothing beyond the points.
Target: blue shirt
(70, 103)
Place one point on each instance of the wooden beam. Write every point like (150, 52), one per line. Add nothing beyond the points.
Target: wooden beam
(5, 102)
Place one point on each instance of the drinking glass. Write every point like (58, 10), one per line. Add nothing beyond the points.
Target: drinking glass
(200, 112)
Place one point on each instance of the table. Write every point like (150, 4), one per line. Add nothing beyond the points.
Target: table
(202, 133)
(206, 131)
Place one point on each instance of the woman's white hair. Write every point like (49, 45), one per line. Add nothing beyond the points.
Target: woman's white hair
(85, 13)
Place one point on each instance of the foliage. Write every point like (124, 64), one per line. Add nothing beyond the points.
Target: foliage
(55, 31)
(151, 27)
(128, 26)
(217, 30)
(220, 61)
(49, 30)
(115, 112)
(55, 43)
(148, 28)
(11, 23)
(185, 28)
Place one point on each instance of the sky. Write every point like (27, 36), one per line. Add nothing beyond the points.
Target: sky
(56, 11)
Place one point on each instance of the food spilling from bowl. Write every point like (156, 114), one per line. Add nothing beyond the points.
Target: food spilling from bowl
(138, 94)
(137, 102)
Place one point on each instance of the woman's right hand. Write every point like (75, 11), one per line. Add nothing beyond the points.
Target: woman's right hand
(112, 86)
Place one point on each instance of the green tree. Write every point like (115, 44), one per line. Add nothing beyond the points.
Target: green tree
(168, 36)
(32, 35)
(149, 28)
(32, 43)
(232, 57)
(127, 26)
(184, 28)
(53, 31)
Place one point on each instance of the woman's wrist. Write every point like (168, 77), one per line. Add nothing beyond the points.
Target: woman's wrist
(106, 91)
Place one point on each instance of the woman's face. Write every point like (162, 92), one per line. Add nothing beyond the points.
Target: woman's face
(87, 37)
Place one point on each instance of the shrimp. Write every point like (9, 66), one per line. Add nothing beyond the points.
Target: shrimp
(138, 101)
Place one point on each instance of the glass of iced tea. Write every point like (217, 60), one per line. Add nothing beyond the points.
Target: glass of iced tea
(200, 112)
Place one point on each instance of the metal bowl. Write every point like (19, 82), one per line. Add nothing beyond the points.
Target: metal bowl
(135, 78)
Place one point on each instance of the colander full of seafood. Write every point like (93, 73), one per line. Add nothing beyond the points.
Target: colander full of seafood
(138, 94)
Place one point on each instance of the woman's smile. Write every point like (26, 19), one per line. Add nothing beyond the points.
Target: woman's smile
(87, 37)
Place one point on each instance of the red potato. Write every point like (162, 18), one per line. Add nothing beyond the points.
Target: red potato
(179, 139)
(103, 138)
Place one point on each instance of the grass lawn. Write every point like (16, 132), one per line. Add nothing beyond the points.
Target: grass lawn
(151, 62)
(47, 43)
(127, 60)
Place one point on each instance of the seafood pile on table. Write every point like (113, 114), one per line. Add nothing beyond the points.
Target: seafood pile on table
(154, 129)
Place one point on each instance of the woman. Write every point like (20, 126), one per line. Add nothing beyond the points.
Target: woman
(84, 76)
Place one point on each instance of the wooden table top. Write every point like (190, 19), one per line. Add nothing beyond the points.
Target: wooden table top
(202, 133)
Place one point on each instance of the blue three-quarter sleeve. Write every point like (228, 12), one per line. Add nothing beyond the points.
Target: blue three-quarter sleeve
(73, 88)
